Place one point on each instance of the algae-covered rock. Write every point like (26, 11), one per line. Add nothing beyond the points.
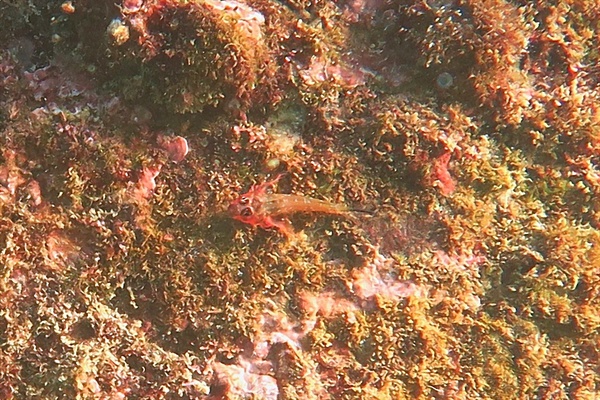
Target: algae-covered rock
(184, 56)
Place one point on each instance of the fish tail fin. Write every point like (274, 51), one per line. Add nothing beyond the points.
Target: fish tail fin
(362, 211)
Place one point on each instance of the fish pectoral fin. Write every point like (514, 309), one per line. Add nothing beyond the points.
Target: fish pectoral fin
(282, 224)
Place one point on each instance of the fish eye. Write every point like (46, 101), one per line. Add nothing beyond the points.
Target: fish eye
(246, 212)
(244, 200)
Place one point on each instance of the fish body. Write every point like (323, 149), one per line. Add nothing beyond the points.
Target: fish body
(267, 210)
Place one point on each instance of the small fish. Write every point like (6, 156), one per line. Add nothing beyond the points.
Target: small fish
(267, 210)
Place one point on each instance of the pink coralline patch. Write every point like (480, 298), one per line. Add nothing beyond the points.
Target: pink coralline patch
(327, 304)
(8, 184)
(8, 77)
(367, 282)
(255, 135)
(276, 327)
(129, 6)
(249, 376)
(585, 168)
(441, 175)
(459, 263)
(176, 147)
(255, 374)
(278, 336)
(138, 24)
(248, 20)
(146, 183)
(58, 82)
(356, 11)
(35, 192)
(61, 250)
(11, 177)
(320, 71)
(245, 380)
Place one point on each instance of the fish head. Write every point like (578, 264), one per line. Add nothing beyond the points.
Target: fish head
(244, 209)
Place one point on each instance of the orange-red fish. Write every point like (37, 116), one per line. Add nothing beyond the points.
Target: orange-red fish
(267, 210)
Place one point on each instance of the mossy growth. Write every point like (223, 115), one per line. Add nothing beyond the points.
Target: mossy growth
(184, 56)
